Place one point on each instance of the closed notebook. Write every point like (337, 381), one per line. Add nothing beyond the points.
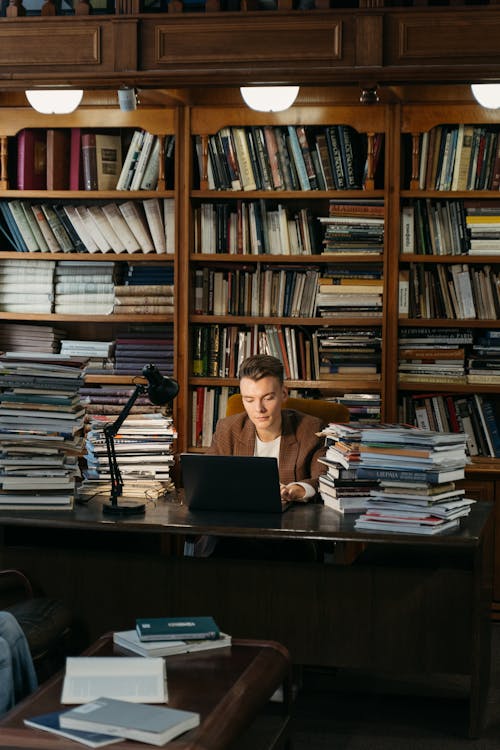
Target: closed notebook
(135, 721)
(176, 628)
(50, 723)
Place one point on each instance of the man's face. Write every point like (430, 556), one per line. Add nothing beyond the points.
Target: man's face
(263, 400)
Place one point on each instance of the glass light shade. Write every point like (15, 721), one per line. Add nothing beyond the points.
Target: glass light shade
(54, 101)
(487, 94)
(269, 98)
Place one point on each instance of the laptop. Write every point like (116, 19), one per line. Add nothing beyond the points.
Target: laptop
(231, 483)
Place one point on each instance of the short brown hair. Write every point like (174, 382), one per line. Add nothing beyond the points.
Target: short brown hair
(261, 366)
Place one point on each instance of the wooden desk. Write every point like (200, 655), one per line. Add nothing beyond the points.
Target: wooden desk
(228, 687)
(409, 605)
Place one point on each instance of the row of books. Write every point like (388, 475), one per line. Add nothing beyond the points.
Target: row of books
(287, 291)
(217, 351)
(89, 287)
(262, 291)
(460, 157)
(287, 158)
(452, 227)
(145, 226)
(208, 405)
(254, 227)
(474, 415)
(456, 292)
(84, 159)
(41, 423)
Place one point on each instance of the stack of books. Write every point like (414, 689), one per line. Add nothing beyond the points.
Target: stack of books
(421, 347)
(27, 337)
(99, 354)
(41, 424)
(347, 354)
(417, 470)
(484, 364)
(356, 227)
(483, 223)
(144, 448)
(364, 408)
(340, 487)
(17, 276)
(85, 287)
(137, 348)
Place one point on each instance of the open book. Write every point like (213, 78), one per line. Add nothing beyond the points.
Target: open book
(127, 678)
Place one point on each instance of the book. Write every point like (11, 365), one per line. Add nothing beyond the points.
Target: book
(133, 679)
(58, 158)
(108, 154)
(176, 628)
(137, 225)
(154, 724)
(51, 723)
(89, 161)
(31, 159)
(129, 640)
(75, 160)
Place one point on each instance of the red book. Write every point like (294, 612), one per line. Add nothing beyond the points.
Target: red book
(31, 159)
(75, 160)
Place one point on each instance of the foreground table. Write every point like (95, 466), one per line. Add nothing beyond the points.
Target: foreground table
(410, 605)
(229, 687)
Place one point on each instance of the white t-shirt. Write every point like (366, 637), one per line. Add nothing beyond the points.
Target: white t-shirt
(271, 449)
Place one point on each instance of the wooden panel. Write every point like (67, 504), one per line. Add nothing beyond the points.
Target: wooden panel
(47, 44)
(448, 38)
(246, 41)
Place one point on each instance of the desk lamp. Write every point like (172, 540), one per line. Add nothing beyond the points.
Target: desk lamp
(160, 391)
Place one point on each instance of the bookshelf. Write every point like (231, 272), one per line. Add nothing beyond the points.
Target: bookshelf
(259, 316)
(162, 123)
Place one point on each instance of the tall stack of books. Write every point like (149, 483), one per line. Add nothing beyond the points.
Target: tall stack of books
(483, 366)
(340, 487)
(417, 470)
(144, 449)
(483, 223)
(41, 425)
(350, 292)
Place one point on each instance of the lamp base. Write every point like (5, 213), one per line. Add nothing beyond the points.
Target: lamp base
(124, 508)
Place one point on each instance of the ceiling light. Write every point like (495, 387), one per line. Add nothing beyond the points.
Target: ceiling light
(487, 94)
(54, 101)
(269, 98)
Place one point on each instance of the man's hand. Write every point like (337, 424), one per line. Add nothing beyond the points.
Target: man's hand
(292, 493)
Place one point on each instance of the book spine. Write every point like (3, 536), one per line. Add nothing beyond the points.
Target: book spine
(89, 161)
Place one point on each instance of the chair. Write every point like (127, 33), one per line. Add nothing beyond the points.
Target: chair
(328, 411)
(45, 622)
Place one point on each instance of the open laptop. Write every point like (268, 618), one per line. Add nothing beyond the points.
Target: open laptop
(231, 483)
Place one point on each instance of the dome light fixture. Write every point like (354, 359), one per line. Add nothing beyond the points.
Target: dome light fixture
(487, 94)
(54, 101)
(269, 98)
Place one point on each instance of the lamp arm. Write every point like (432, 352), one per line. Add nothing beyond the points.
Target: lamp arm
(110, 431)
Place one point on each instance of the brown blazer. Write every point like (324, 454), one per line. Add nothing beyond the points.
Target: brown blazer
(299, 448)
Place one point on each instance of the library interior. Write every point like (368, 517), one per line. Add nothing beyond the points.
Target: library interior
(171, 227)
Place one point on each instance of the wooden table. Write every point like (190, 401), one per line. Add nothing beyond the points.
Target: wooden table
(412, 605)
(229, 687)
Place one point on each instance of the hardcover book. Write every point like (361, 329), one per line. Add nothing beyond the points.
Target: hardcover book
(176, 628)
(154, 724)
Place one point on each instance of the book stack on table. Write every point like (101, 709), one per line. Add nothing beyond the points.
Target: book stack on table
(340, 487)
(417, 470)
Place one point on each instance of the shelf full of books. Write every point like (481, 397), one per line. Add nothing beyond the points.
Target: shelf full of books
(449, 299)
(286, 252)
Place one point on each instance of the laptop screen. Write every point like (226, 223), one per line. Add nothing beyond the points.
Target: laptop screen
(231, 483)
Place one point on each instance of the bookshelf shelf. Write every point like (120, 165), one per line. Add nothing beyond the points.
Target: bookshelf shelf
(490, 259)
(248, 320)
(317, 385)
(269, 258)
(448, 323)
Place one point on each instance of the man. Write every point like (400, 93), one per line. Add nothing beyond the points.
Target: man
(17, 673)
(264, 429)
